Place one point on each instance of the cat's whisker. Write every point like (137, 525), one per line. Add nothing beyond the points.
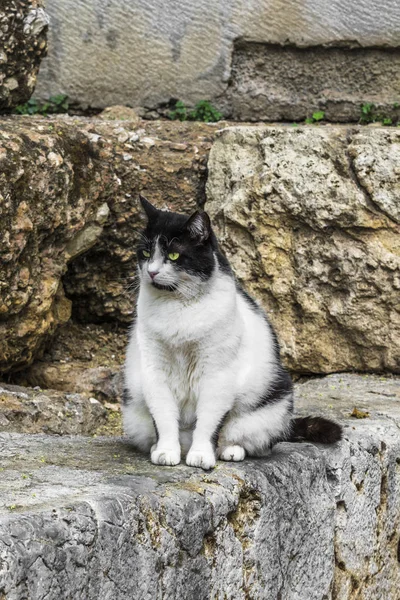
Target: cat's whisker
(144, 238)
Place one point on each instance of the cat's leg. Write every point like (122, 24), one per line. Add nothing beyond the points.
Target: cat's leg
(215, 400)
(164, 411)
(137, 420)
(253, 432)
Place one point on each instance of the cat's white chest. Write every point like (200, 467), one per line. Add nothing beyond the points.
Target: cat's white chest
(184, 371)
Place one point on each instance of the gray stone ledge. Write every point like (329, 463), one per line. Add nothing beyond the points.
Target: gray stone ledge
(88, 518)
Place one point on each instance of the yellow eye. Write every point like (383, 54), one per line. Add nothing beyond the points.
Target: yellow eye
(146, 254)
(173, 255)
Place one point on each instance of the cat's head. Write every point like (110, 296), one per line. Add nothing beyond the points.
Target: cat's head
(176, 253)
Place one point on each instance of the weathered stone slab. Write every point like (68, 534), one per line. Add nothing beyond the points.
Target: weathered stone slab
(23, 44)
(265, 80)
(88, 518)
(309, 218)
(204, 50)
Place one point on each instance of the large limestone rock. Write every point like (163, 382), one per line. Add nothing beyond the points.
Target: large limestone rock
(52, 201)
(89, 518)
(62, 181)
(23, 44)
(309, 218)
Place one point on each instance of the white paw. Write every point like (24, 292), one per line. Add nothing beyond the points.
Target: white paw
(201, 458)
(165, 456)
(234, 453)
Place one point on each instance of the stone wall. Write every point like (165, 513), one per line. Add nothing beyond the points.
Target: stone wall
(62, 182)
(308, 217)
(141, 54)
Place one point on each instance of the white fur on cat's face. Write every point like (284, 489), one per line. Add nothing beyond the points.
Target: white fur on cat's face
(157, 263)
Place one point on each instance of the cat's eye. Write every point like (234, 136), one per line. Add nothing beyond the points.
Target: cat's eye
(173, 255)
(146, 254)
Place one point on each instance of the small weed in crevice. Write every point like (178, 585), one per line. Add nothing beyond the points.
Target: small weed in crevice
(54, 105)
(203, 111)
(206, 112)
(316, 117)
(368, 114)
(179, 112)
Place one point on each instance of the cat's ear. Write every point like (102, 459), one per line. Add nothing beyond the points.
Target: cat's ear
(150, 210)
(199, 226)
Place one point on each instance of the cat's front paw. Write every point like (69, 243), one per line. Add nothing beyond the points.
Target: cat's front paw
(165, 456)
(204, 458)
(234, 453)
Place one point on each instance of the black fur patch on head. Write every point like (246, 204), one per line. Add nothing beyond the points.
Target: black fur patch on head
(316, 429)
(191, 237)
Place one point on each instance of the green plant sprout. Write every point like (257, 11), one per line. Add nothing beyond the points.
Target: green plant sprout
(203, 111)
(55, 104)
(317, 116)
(369, 115)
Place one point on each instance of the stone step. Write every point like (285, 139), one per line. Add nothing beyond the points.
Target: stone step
(88, 518)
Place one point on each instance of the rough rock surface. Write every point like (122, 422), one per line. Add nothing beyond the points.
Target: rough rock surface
(61, 181)
(264, 83)
(89, 518)
(191, 52)
(84, 359)
(52, 207)
(23, 44)
(309, 218)
(24, 410)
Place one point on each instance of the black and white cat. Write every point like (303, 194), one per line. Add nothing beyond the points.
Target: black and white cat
(203, 373)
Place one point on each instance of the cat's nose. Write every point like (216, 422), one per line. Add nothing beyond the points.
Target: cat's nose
(153, 274)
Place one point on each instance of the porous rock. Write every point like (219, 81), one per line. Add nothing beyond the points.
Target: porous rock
(89, 518)
(26, 410)
(23, 44)
(309, 219)
(165, 161)
(81, 358)
(52, 205)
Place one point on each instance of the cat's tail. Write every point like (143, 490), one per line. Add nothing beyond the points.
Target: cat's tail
(315, 429)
